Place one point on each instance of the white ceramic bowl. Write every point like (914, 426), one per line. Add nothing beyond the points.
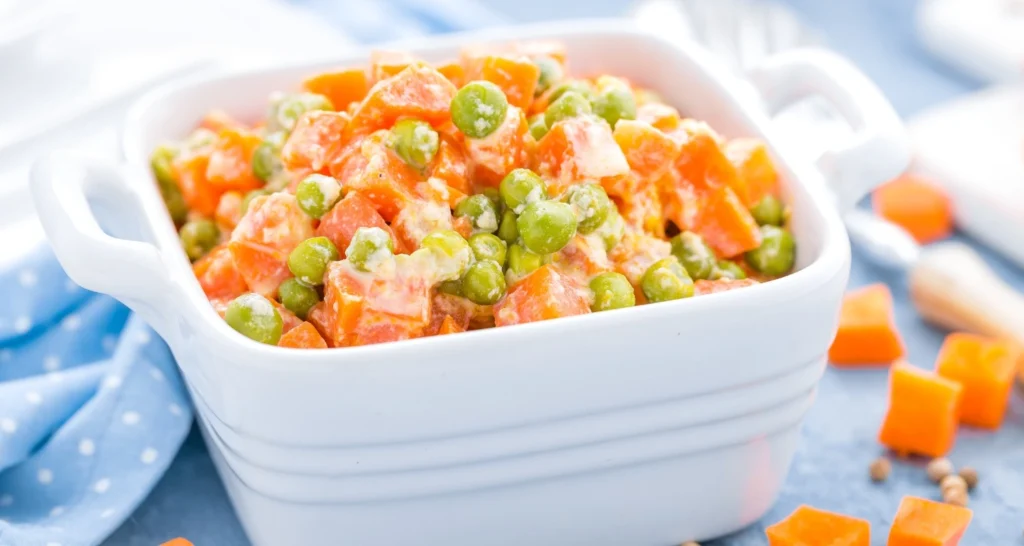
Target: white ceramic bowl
(645, 426)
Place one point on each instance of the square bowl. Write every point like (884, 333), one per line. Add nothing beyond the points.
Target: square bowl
(588, 429)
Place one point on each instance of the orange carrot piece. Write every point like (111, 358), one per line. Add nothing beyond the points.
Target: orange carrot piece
(503, 151)
(177, 542)
(315, 141)
(271, 228)
(454, 72)
(215, 120)
(541, 295)
(384, 64)
(867, 330)
(449, 326)
(660, 116)
(579, 150)
(230, 166)
(918, 206)
(341, 87)
(190, 173)
(703, 163)
(303, 336)
(984, 368)
(648, 151)
(347, 216)
(515, 75)
(218, 276)
(755, 168)
(419, 92)
(923, 522)
(726, 224)
(808, 526)
(923, 410)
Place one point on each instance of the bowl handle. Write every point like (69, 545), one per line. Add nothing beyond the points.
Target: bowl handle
(878, 149)
(65, 186)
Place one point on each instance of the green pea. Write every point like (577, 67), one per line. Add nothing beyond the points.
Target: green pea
(454, 253)
(695, 255)
(569, 105)
(484, 283)
(592, 206)
(309, 261)
(488, 247)
(508, 231)
(776, 254)
(481, 211)
(160, 162)
(726, 269)
(550, 73)
(369, 247)
(520, 188)
(266, 158)
(582, 87)
(415, 142)
(248, 197)
(198, 237)
(479, 108)
(317, 194)
(255, 317)
(297, 297)
(286, 110)
(493, 194)
(666, 280)
(453, 288)
(615, 103)
(522, 262)
(538, 127)
(768, 211)
(611, 291)
(612, 230)
(546, 226)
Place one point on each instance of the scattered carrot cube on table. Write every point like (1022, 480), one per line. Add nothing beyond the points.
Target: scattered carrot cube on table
(916, 205)
(867, 329)
(808, 526)
(922, 522)
(923, 412)
(984, 368)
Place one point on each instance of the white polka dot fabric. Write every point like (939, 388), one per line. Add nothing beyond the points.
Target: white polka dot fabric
(92, 409)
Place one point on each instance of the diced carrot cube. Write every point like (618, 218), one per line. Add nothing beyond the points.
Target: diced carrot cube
(755, 168)
(583, 258)
(230, 166)
(289, 320)
(648, 151)
(703, 163)
(463, 226)
(918, 206)
(923, 411)
(218, 276)
(808, 526)
(680, 200)
(449, 326)
(216, 120)
(375, 171)
(316, 140)
(341, 87)
(579, 150)
(177, 542)
(503, 151)
(190, 173)
(984, 368)
(443, 307)
(271, 228)
(418, 218)
(452, 167)
(702, 286)
(385, 64)
(541, 295)
(347, 216)
(384, 306)
(636, 252)
(515, 75)
(454, 72)
(322, 321)
(229, 210)
(418, 92)
(660, 116)
(923, 522)
(726, 225)
(303, 336)
(642, 210)
(867, 329)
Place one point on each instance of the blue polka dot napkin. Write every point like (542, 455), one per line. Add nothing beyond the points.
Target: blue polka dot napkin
(92, 409)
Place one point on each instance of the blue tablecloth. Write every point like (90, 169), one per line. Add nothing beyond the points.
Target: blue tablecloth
(830, 470)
